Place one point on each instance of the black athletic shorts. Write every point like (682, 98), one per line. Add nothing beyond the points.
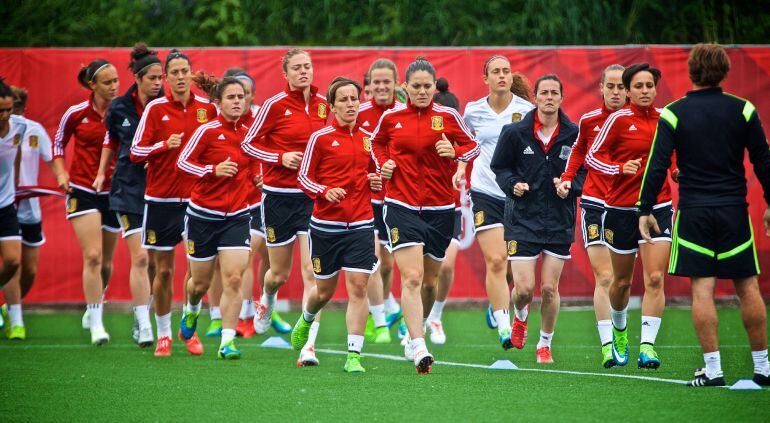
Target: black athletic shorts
(458, 228)
(379, 224)
(32, 234)
(352, 251)
(714, 241)
(207, 237)
(80, 202)
(9, 224)
(256, 221)
(163, 225)
(285, 216)
(430, 228)
(130, 223)
(621, 228)
(488, 211)
(592, 222)
(518, 250)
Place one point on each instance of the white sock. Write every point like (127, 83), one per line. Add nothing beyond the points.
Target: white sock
(164, 325)
(503, 319)
(378, 314)
(194, 308)
(418, 343)
(268, 300)
(308, 316)
(605, 331)
(355, 343)
(312, 335)
(14, 315)
(761, 365)
(438, 308)
(95, 311)
(152, 297)
(227, 336)
(545, 339)
(246, 307)
(650, 326)
(713, 364)
(391, 306)
(142, 316)
(215, 313)
(619, 318)
(521, 314)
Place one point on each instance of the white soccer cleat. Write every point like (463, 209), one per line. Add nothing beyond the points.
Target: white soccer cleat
(262, 319)
(423, 360)
(99, 336)
(437, 335)
(86, 321)
(408, 349)
(145, 338)
(307, 357)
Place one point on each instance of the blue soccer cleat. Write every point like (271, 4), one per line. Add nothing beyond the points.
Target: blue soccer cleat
(491, 321)
(188, 324)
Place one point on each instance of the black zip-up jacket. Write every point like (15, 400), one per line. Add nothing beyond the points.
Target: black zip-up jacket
(540, 215)
(709, 130)
(128, 180)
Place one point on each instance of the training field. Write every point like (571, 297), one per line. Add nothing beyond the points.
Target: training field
(57, 376)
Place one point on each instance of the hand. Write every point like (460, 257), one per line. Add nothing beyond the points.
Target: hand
(645, 223)
(98, 182)
(174, 141)
(562, 189)
(766, 221)
(227, 168)
(444, 148)
(258, 181)
(632, 166)
(63, 181)
(675, 175)
(520, 189)
(335, 195)
(292, 159)
(375, 182)
(387, 169)
(458, 178)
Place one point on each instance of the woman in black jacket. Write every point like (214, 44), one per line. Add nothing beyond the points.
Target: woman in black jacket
(530, 155)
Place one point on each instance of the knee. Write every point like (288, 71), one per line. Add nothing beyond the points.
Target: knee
(198, 287)
(525, 296)
(496, 264)
(412, 279)
(93, 258)
(386, 267)
(280, 275)
(11, 264)
(325, 293)
(447, 273)
(604, 279)
(622, 282)
(357, 288)
(655, 281)
(140, 261)
(164, 274)
(232, 282)
(549, 292)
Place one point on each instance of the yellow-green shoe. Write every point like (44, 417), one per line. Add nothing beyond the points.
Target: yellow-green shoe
(353, 364)
(17, 333)
(6, 320)
(382, 335)
(607, 360)
(369, 332)
(228, 351)
(300, 333)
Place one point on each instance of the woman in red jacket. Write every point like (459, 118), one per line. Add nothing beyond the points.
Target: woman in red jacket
(338, 172)
(621, 150)
(217, 217)
(416, 147)
(95, 225)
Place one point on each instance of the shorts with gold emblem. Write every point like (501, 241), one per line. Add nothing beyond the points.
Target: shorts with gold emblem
(621, 228)
(256, 221)
(432, 229)
(351, 251)
(206, 237)
(592, 222)
(379, 224)
(458, 227)
(285, 216)
(80, 202)
(488, 211)
(163, 225)
(130, 223)
(522, 250)
(9, 224)
(32, 234)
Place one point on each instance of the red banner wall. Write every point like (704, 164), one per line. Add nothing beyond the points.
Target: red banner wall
(50, 77)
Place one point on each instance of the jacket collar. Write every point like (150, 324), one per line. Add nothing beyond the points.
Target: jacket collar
(346, 129)
(412, 107)
(297, 94)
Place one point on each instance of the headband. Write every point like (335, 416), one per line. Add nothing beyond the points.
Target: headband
(145, 62)
(99, 69)
(176, 55)
(496, 56)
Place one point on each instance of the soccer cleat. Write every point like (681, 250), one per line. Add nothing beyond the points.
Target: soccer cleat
(300, 333)
(648, 358)
(307, 358)
(215, 328)
(353, 364)
(505, 338)
(187, 325)
(761, 379)
(423, 360)
(543, 355)
(228, 351)
(437, 335)
(4, 316)
(620, 346)
(99, 336)
(519, 333)
(263, 319)
(281, 326)
(163, 349)
(369, 329)
(402, 329)
(85, 322)
(491, 321)
(145, 337)
(135, 332)
(382, 335)
(393, 318)
(17, 333)
(607, 360)
(245, 328)
(193, 344)
(408, 349)
(702, 380)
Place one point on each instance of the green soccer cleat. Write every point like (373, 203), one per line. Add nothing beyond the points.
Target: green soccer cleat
(300, 333)
(281, 326)
(607, 360)
(228, 351)
(620, 346)
(6, 320)
(353, 363)
(382, 335)
(215, 328)
(188, 324)
(17, 333)
(648, 358)
(505, 338)
(369, 331)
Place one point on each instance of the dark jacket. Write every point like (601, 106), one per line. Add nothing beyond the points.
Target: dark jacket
(540, 215)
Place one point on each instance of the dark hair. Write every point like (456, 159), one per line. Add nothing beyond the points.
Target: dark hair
(520, 86)
(142, 58)
(548, 77)
(709, 64)
(336, 84)
(367, 80)
(212, 86)
(442, 85)
(383, 63)
(239, 74)
(289, 54)
(628, 74)
(420, 64)
(175, 54)
(88, 73)
(19, 98)
(5, 89)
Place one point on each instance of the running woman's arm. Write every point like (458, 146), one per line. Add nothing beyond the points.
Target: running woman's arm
(658, 163)
(109, 146)
(63, 135)
(466, 148)
(380, 152)
(189, 160)
(576, 156)
(307, 171)
(253, 144)
(598, 157)
(144, 145)
(503, 162)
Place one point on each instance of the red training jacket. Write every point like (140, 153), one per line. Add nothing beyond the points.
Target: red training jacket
(369, 114)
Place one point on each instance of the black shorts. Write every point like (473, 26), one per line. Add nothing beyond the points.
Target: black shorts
(80, 202)
(458, 228)
(714, 242)
(379, 224)
(130, 223)
(32, 234)
(488, 211)
(163, 225)
(592, 222)
(207, 237)
(9, 224)
(284, 217)
(531, 250)
(350, 251)
(256, 221)
(621, 228)
(430, 228)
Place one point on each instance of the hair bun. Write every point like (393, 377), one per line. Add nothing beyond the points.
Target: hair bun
(421, 58)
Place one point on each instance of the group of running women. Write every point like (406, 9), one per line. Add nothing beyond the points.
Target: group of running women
(343, 176)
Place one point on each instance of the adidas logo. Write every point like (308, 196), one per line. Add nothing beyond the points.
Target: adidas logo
(335, 143)
(221, 137)
(165, 117)
(667, 232)
(126, 122)
(85, 120)
(528, 150)
(288, 113)
(398, 125)
(645, 323)
(597, 129)
(632, 128)
(365, 123)
(248, 242)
